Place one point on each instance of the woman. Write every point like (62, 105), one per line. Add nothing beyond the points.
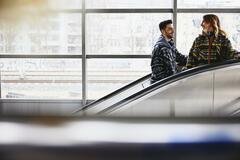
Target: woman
(212, 45)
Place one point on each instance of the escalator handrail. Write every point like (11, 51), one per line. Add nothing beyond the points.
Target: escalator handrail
(92, 104)
(169, 80)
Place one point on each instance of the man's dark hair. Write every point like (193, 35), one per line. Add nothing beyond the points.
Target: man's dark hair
(163, 24)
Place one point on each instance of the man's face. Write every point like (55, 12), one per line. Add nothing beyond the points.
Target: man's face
(168, 31)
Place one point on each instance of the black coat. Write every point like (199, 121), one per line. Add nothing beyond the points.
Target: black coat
(164, 61)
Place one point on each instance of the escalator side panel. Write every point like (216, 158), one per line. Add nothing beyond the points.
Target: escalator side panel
(226, 91)
(187, 97)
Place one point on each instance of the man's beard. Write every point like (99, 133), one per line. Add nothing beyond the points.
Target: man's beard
(170, 36)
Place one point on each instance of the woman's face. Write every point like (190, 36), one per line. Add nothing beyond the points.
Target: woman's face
(206, 26)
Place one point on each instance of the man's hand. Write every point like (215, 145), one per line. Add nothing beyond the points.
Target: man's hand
(184, 68)
(237, 55)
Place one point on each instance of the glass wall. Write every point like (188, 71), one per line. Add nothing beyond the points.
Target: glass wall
(41, 78)
(58, 33)
(99, 44)
(32, 42)
(122, 33)
(107, 75)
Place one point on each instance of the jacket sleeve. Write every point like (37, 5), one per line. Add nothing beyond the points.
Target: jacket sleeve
(181, 59)
(230, 53)
(192, 60)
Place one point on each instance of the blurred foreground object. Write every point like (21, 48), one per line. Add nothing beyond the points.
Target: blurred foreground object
(59, 138)
(15, 10)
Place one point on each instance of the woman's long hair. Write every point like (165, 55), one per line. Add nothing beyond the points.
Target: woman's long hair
(215, 23)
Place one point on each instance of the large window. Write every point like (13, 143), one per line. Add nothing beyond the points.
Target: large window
(107, 75)
(53, 34)
(122, 33)
(41, 78)
(99, 44)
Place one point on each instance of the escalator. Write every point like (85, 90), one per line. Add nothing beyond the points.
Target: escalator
(202, 91)
(118, 95)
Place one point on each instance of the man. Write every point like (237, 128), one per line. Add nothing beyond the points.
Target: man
(165, 55)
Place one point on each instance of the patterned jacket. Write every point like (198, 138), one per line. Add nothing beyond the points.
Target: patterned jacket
(208, 49)
(164, 59)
